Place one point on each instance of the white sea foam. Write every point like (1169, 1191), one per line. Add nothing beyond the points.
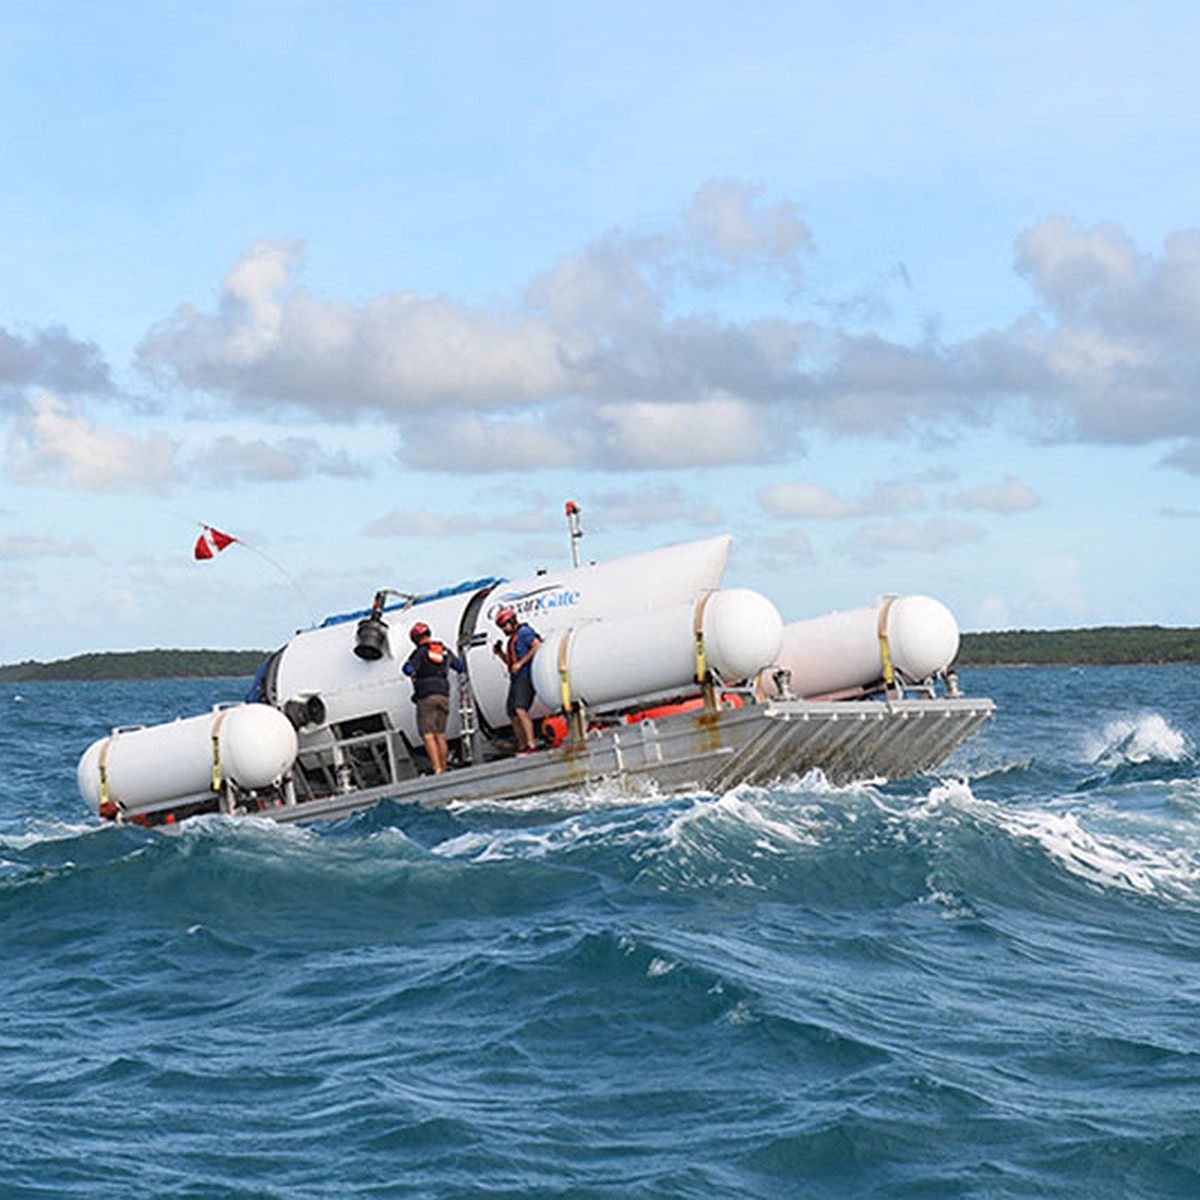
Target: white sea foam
(248, 827)
(600, 795)
(693, 834)
(49, 833)
(1145, 737)
(776, 830)
(814, 783)
(501, 844)
(1131, 860)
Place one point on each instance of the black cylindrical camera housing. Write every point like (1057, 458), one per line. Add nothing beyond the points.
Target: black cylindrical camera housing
(371, 641)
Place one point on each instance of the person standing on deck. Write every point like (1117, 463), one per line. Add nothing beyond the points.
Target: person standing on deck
(523, 643)
(428, 666)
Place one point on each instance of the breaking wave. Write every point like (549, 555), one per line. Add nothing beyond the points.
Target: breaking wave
(1147, 737)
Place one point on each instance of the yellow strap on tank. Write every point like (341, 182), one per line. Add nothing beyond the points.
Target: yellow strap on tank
(216, 752)
(104, 771)
(889, 673)
(564, 671)
(698, 631)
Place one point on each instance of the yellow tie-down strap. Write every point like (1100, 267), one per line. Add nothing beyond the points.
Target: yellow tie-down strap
(564, 671)
(216, 752)
(698, 630)
(889, 673)
(104, 769)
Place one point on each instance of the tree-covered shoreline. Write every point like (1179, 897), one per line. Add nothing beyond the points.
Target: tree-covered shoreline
(138, 664)
(1110, 645)
(1101, 646)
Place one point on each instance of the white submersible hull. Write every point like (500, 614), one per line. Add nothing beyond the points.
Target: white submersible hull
(651, 677)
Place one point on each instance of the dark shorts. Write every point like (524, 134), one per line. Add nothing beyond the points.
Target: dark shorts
(520, 694)
(432, 712)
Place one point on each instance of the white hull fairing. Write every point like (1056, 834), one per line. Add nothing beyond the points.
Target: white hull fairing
(650, 677)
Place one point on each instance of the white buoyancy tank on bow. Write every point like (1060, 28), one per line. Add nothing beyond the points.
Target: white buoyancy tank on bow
(149, 766)
(845, 650)
(610, 662)
(321, 662)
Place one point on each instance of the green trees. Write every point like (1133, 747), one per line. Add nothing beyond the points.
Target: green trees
(1105, 645)
(139, 664)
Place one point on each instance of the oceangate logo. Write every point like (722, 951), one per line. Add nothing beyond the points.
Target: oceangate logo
(529, 604)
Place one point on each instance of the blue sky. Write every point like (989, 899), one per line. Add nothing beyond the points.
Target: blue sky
(906, 298)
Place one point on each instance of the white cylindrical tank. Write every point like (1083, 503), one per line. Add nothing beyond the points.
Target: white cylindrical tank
(619, 588)
(148, 767)
(844, 650)
(625, 659)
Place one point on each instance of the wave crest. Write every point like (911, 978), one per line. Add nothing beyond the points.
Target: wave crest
(1146, 737)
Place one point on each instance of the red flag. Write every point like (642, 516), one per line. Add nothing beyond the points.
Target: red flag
(211, 541)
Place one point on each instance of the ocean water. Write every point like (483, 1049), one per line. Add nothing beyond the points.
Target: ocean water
(981, 983)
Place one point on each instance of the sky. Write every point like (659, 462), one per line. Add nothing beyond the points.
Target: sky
(906, 298)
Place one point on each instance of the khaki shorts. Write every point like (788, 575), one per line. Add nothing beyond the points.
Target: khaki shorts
(432, 713)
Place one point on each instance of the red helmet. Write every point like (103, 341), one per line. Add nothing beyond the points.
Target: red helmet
(419, 631)
(504, 616)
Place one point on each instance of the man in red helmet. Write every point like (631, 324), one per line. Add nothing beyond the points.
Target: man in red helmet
(428, 666)
(522, 645)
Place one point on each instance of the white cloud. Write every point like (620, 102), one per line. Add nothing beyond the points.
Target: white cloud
(50, 358)
(431, 523)
(723, 218)
(709, 432)
(650, 504)
(53, 443)
(1008, 496)
(424, 523)
(893, 496)
(477, 443)
(642, 435)
(804, 499)
(269, 342)
(611, 357)
(1186, 458)
(1117, 340)
(229, 459)
(780, 552)
(1073, 268)
(595, 328)
(871, 542)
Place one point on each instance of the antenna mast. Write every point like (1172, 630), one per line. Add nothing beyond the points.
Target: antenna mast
(575, 524)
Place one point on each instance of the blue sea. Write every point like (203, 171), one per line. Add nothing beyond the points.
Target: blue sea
(979, 983)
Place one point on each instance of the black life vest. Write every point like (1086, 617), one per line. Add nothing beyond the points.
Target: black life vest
(430, 662)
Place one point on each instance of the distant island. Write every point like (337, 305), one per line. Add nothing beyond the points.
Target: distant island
(1103, 646)
(138, 664)
(1109, 645)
